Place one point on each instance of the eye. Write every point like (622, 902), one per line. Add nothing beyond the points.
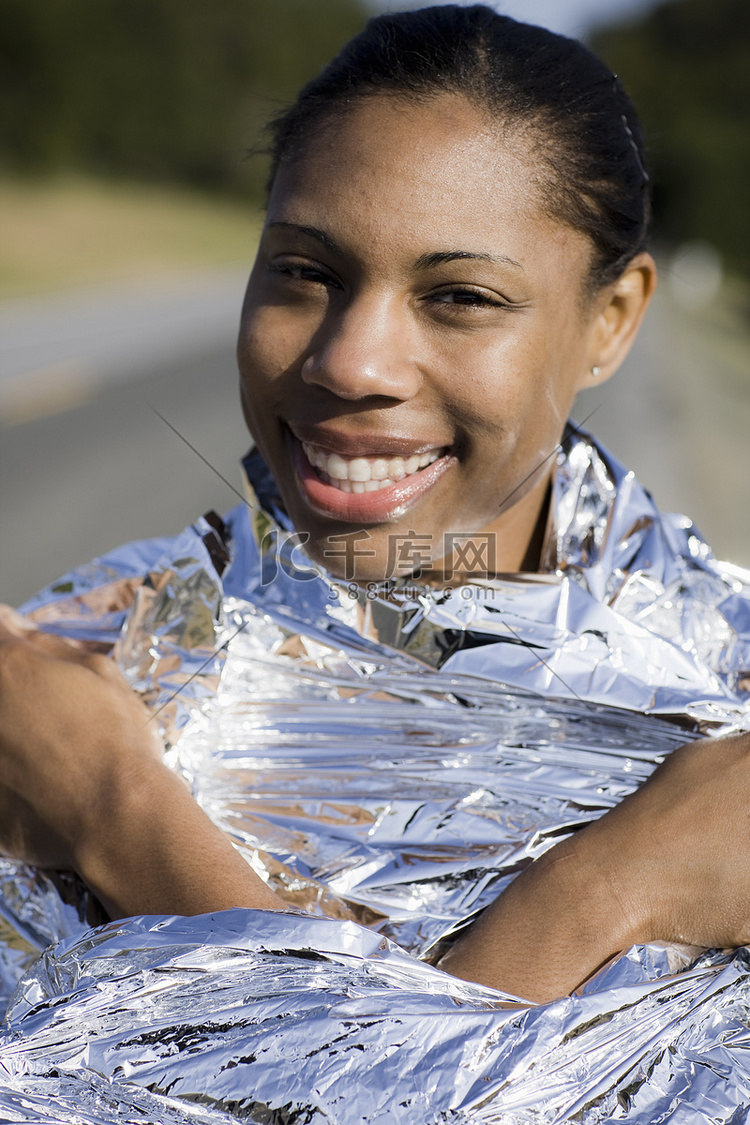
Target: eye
(303, 273)
(465, 297)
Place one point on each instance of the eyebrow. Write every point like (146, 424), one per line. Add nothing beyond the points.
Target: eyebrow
(424, 261)
(427, 261)
(314, 232)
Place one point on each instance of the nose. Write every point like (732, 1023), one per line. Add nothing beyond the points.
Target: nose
(364, 350)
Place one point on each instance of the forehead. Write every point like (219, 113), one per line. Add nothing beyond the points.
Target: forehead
(418, 173)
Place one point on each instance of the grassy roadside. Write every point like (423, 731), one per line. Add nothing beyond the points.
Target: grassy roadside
(78, 232)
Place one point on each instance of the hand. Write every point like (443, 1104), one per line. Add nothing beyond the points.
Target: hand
(670, 862)
(66, 719)
(83, 786)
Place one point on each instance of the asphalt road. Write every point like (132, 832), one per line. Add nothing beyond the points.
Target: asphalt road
(85, 463)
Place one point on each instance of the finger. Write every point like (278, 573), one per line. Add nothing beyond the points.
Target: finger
(63, 648)
(15, 627)
(13, 622)
(18, 625)
(79, 652)
(105, 667)
(71, 651)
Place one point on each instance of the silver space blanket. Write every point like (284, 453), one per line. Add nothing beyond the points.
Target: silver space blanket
(388, 789)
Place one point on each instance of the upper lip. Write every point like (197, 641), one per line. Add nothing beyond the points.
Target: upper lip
(333, 440)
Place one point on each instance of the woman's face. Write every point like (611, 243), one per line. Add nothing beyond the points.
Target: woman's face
(412, 338)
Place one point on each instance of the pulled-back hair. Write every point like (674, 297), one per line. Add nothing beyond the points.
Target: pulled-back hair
(578, 118)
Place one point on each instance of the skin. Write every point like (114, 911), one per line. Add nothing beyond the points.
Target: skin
(375, 346)
(356, 336)
(84, 787)
(669, 863)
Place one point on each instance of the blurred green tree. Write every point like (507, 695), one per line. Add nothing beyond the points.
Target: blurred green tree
(162, 90)
(687, 67)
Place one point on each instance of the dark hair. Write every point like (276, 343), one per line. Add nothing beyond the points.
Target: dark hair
(524, 76)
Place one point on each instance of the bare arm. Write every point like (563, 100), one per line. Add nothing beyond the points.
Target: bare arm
(670, 862)
(84, 787)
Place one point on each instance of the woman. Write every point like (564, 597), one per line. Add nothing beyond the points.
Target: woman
(454, 248)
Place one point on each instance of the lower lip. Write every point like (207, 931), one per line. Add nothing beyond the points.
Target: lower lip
(365, 507)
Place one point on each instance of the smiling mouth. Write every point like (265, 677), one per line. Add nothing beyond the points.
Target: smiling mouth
(366, 474)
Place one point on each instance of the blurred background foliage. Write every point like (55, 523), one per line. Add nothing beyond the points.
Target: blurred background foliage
(124, 126)
(687, 67)
(175, 92)
(165, 91)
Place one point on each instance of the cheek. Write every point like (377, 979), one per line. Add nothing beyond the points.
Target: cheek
(542, 381)
(502, 386)
(519, 404)
(273, 343)
(263, 355)
(258, 364)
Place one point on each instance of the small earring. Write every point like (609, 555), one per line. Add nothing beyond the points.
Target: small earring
(594, 372)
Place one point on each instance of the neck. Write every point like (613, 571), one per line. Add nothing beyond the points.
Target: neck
(511, 544)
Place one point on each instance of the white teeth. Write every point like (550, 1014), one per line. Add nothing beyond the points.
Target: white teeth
(362, 474)
(336, 467)
(359, 469)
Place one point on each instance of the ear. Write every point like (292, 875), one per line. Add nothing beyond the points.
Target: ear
(617, 315)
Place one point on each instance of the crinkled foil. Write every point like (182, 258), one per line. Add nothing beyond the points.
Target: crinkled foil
(388, 760)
